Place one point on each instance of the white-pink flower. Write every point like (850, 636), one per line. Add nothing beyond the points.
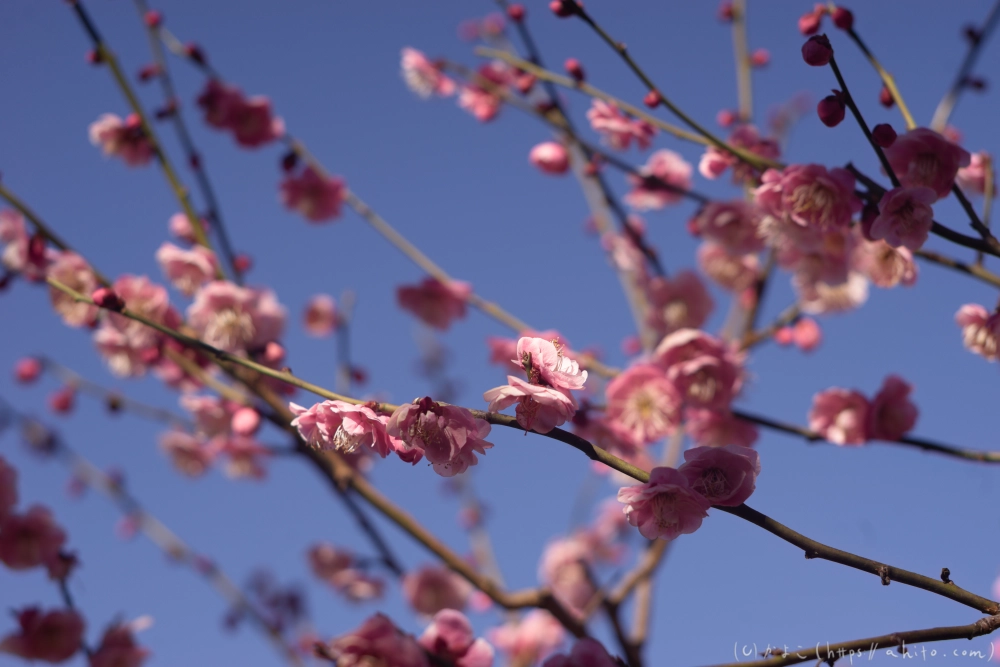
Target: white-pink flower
(731, 272)
(840, 416)
(431, 588)
(320, 316)
(73, 271)
(123, 138)
(447, 435)
(666, 506)
(550, 157)
(187, 270)
(643, 405)
(423, 77)
(545, 363)
(563, 569)
(884, 265)
(735, 225)
(343, 427)
(450, 638)
(539, 408)
(661, 181)
(979, 330)
(618, 130)
(922, 157)
(529, 639)
(724, 475)
(234, 318)
(191, 455)
(435, 303)
(972, 179)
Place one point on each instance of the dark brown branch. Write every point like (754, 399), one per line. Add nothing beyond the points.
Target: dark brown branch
(976, 42)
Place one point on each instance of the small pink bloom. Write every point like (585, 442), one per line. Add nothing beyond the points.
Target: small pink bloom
(450, 637)
(449, 436)
(979, 330)
(810, 22)
(337, 567)
(187, 270)
(253, 123)
(663, 179)
(731, 272)
(23, 253)
(905, 217)
(423, 77)
(892, 414)
(539, 409)
(189, 454)
(504, 350)
(681, 302)
(809, 196)
(529, 639)
(706, 371)
(317, 197)
(724, 475)
(760, 58)
(715, 161)
(884, 265)
(30, 539)
(819, 298)
(245, 422)
(343, 427)
(586, 652)
(321, 315)
(735, 225)
(181, 227)
(643, 405)
(972, 179)
(377, 642)
(617, 129)
(784, 336)
(432, 588)
(125, 139)
(436, 304)
(27, 370)
(245, 456)
(118, 648)
(806, 334)
(550, 157)
(126, 344)
(840, 416)
(211, 415)
(8, 488)
(53, 637)
(545, 363)
(666, 506)
(73, 271)
(235, 318)
(922, 157)
(710, 428)
(482, 102)
(563, 568)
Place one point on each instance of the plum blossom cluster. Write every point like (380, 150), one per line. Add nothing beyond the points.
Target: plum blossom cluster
(344, 572)
(125, 139)
(250, 120)
(847, 417)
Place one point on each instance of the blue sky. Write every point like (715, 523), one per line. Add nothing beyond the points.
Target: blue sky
(465, 194)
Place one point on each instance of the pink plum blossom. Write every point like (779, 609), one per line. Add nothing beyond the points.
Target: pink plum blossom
(482, 101)
(624, 254)
(317, 197)
(53, 636)
(180, 226)
(643, 405)
(715, 161)
(8, 488)
(539, 409)
(680, 302)
(731, 272)
(618, 130)
(809, 196)
(73, 271)
(806, 334)
(447, 435)
(661, 181)
(187, 270)
(343, 427)
(529, 639)
(30, 539)
(435, 303)
(191, 455)
(884, 265)
(712, 428)
(840, 416)
(544, 363)
(972, 179)
(705, 371)
(423, 77)
(891, 413)
(118, 648)
(245, 421)
(129, 345)
(321, 315)
(922, 157)
(24, 254)
(377, 642)
(666, 506)
(819, 298)
(253, 123)
(432, 588)
(450, 637)
(563, 569)
(735, 225)
(122, 138)
(504, 350)
(234, 318)
(587, 652)
(550, 157)
(724, 475)
(979, 330)
(218, 100)
(339, 568)
(905, 217)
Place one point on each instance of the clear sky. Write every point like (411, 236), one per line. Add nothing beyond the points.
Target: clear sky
(465, 193)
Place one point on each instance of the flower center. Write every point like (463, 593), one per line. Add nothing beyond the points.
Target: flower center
(664, 508)
(230, 329)
(713, 484)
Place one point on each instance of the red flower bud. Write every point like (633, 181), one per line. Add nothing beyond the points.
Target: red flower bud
(831, 109)
(817, 51)
(843, 18)
(884, 135)
(94, 57)
(885, 98)
(150, 71)
(27, 370)
(153, 18)
(760, 58)
(107, 298)
(524, 83)
(61, 402)
(515, 12)
(725, 12)
(563, 8)
(652, 99)
(242, 262)
(574, 68)
(726, 117)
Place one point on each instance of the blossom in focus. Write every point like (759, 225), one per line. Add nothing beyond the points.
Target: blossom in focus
(320, 316)
(122, 138)
(190, 454)
(587, 652)
(187, 270)
(235, 318)
(30, 539)
(423, 77)
(972, 179)
(724, 475)
(450, 637)
(435, 303)
(713, 428)
(447, 435)
(53, 636)
(661, 181)
(666, 506)
(539, 408)
(118, 648)
(550, 157)
(905, 217)
(317, 197)
(979, 330)
(922, 157)
(339, 568)
(432, 588)
(504, 350)
(73, 271)
(643, 405)
(891, 413)
(343, 427)
(530, 638)
(544, 363)
(840, 416)
(618, 130)
(680, 302)
(707, 372)
(377, 642)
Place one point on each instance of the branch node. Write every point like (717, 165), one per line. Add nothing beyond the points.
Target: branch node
(883, 573)
(946, 576)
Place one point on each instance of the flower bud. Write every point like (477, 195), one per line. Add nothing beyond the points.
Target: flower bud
(550, 157)
(652, 99)
(153, 19)
(515, 12)
(61, 401)
(563, 8)
(843, 18)
(885, 98)
(831, 109)
(817, 51)
(27, 370)
(760, 58)
(105, 297)
(574, 69)
(884, 135)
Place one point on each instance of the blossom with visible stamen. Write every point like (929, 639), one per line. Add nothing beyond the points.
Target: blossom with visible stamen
(664, 507)
(234, 318)
(723, 475)
(343, 427)
(979, 330)
(539, 409)
(922, 157)
(643, 405)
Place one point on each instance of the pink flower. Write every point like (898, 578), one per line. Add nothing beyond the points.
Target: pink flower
(321, 315)
(529, 639)
(317, 197)
(8, 488)
(666, 506)
(840, 416)
(905, 217)
(922, 157)
(681, 302)
(189, 454)
(27, 370)
(73, 271)
(337, 568)
(586, 652)
(211, 415)
(809, 196)
(24, 254)
(235, 318)
(563, 568)
(436, 304)
(187, 270)
(663, 179)
(54, 636)
(450, 637)
(118, 649)
(617, 129)
(710, 428)
(218, 100)
(624, 254)
(245, 455)
(892, 414)
(377, 642)
(343, 427)
(449, 436)
(181, 227)
(423, 77)
(806, 334)
(550, 157)
(245, 421)
(504, 350)
(482, 102)
(731, 272)
(735, 225)
(810, 22)
(125, 139)
(643, 405)
(544, 363)
(716, 161)
(253, 123)
(432, 588)
(884, 265)
(818, 297)
(979, 330)
(30, 539)
(128, 345)
(539, 409)
(705, 371)
(972, 179)
(724, 475)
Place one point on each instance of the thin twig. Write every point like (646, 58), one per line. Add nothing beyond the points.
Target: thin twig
(947, 104)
